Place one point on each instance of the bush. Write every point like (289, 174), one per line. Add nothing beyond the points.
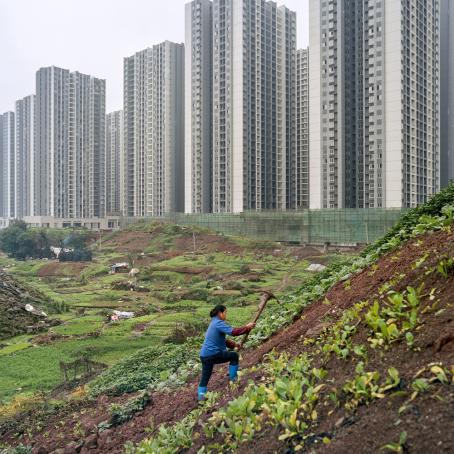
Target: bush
(234, 285)
(409, 220)
(244, 269)
(197, 294)
(183, 330)
(78, 255)
(21, 242)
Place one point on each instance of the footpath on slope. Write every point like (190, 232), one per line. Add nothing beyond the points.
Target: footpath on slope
(429, 422)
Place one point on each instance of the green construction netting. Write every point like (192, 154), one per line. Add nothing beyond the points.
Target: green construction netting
(334, 226)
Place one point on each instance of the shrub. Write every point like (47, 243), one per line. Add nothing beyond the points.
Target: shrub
(78, 255)
(183, 330)
(244, 269)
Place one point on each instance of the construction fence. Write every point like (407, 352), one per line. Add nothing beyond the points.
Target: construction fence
(342, 227)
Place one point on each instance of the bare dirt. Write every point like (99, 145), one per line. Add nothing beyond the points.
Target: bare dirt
(130, 242)
(59, 269)
(429, 421)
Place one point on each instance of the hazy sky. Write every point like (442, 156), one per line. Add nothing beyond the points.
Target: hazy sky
(90, 36)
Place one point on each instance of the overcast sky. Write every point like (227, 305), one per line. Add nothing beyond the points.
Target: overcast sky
(90, 36)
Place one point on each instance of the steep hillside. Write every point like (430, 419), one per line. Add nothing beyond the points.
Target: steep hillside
(14, 318)
(359, 359)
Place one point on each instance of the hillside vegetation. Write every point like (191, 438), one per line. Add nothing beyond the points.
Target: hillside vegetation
(359, 358)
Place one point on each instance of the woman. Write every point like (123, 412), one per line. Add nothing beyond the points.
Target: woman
(214, 349)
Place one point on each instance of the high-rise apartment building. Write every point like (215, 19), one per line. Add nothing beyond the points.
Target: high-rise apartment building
(198, 106)
(374, 102)
(114, 161)
(300, 167)
(25, 157)
(7, 165)
(154, 131)
(70, 144)
(447, 91)
(254, 106)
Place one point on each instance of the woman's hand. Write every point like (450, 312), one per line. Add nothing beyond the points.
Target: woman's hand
(250, 326)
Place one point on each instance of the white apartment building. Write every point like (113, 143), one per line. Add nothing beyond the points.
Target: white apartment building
(300, 168)
(69, 144)
(114, 161)
(7, 165)
(447, 91)
(198, 106)
(25, 157)
(254, 106)
(154, 131)
(374, 102)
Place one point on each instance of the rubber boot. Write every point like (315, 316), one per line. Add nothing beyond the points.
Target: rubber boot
(233, 371)
(201, 391)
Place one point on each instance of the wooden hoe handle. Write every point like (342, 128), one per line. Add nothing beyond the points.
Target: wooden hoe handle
(266, 296)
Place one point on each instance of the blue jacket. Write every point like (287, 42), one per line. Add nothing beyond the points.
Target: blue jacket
(215, 338)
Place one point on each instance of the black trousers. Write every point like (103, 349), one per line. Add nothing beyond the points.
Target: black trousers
(208, 363)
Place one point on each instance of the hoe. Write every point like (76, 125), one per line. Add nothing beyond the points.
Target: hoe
(266, 296)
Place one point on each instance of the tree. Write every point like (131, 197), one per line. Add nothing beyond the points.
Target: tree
(21, 242)
(77, 240)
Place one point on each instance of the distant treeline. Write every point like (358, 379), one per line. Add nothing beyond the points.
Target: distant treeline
(22, 242)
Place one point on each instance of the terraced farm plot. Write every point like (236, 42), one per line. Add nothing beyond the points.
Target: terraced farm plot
(176, 285)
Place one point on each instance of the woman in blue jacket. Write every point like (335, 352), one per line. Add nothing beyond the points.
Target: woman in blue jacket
(214, 349)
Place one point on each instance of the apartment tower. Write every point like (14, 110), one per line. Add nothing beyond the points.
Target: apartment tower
(374, 102)
(154, 131)
(7, 165)
(447, 92)
(25, 157)
(114, 161)
(300, 167)
(70, 144)
(198, 106)
(254, 106)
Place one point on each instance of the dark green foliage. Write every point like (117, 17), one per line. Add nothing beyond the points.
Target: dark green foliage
(123, 413)
(244, 269)
(21, 449)
(20, 242)
(142, 369)
(77, 240)
(409, 220)
(197, 294)
(183, 330)
(78, 255)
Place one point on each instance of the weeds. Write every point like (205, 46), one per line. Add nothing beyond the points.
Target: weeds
(172, 439)
(395, 319)
(398, 447)
(365, 386)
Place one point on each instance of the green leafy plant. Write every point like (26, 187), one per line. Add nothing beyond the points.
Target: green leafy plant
(21, 449)
(365, 386)
(395, 318)
(398, 447)
(446, 266)
(171, 439)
